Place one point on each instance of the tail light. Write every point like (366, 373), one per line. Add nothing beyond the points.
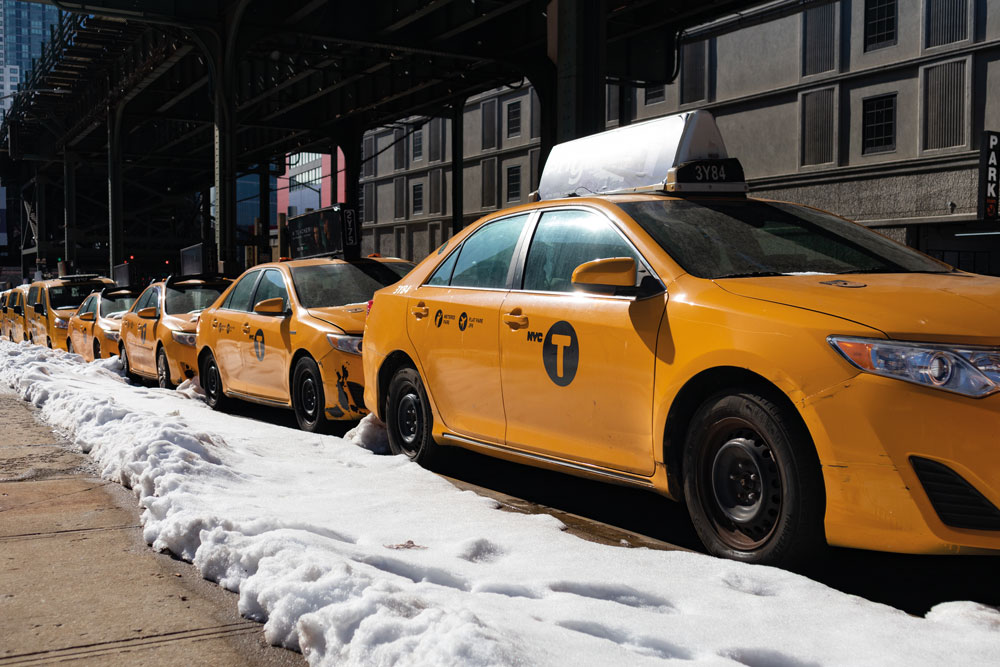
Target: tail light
(369, 311)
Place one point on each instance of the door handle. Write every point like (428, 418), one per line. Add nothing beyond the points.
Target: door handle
(515, 320)
(419, 310)
(215, 323)
(246, 327)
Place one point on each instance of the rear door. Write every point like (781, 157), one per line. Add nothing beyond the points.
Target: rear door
(577, 368)
(231, 324)
(452, 321)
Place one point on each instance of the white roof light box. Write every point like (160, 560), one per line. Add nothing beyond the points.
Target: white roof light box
(683, 153)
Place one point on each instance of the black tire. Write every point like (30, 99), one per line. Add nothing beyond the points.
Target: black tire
(48, 342)
(69, 346)
(752, 481)
(408, 418)
(308, 398)
(211, 382)
(97, 350)
(163, 370)
(126, 366)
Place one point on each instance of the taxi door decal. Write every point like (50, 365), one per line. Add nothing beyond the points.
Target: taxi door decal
(258, 345)
(561, 353)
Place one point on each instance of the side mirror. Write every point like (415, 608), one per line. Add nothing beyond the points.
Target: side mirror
(39, 308)
(147, 313)
(87, 317)
(275, 306)
(18, 311)
(606, 275)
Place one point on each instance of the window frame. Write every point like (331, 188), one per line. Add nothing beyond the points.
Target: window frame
(800, 137)
(970, 28)
(513, 132)
(877, 46)
(967, 128)
(253, 291)
(803, 46)
(256, 288)
(518, 247)
(895, 124)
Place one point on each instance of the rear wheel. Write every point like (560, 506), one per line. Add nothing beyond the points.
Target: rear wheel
(408, 418)
(163, 370)
(308, 398)
(211, 382)
(752, 481)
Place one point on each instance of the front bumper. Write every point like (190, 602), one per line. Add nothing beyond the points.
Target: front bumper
(868, 432)
(343, 385)
(182, 359)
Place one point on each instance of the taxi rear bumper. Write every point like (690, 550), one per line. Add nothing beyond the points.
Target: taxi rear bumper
(908, 468)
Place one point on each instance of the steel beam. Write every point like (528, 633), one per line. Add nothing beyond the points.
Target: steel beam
(116, 225)
(69, 209)
(580, 64)
(457, 167)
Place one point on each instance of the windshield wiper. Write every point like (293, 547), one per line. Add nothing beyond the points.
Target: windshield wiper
(752, 274)
(888, 270)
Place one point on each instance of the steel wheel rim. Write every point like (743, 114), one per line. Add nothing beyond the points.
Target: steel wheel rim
(212, 380)
(741, 486)
(162, 371)
(409, 420)
(309, 398)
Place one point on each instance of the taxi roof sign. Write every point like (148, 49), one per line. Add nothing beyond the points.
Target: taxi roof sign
(678, 154)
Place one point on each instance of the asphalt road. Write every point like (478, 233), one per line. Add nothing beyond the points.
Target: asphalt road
(607, 513)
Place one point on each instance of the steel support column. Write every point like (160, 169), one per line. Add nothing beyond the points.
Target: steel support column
(69, 210)
(581, 46)
(351, 145)
(41, 222)
(225, 182)
(116, 225)
(457, 167)
(334, 182)
(264, 212)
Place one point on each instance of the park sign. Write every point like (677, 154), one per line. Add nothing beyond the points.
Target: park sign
(327, 231)
(989, 168)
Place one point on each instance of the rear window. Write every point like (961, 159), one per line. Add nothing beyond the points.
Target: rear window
(72, 295)
(744, 238)
(338, 284)
(183, 299)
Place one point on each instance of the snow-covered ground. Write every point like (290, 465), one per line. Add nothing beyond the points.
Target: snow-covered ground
(358, 558)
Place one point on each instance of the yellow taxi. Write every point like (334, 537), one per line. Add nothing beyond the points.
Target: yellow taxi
(158, 331)
(4, 295)
(94, 330)
(52, 302)
(289, 334)
(14, 314)
(793, 377)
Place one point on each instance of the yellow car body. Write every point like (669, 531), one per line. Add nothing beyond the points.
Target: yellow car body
(158, 331)
(14, 317)
(94, 330)
(494, 364)
(4, 295)
(52, 302)
(301, 348)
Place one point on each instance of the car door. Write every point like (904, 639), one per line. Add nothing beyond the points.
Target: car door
(266, 343)
(135, 331)
(231, 323)
(577, 368)
(452, 321)
(81, 332)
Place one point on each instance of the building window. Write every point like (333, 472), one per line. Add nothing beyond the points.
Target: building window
(367, 200)
(418, 144)
(611, 103)
(418, 198)
(514, 119)
(655, 95)
(399, 195)
(880, 24)
(368, 156)
(819, 27)
(817, 127)
(436, 140)
(489, 111)
(878, 129)
(947, 22)
(694, 62)
(514, 183)
(437, 191)
(399, 149)
(489, 182)
(944, 105)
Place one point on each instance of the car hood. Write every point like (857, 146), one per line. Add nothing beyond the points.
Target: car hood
(182, 321)
(350, 318)
(947, 308)
(66, 313)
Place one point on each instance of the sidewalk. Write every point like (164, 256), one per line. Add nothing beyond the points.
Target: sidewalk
(77, 582)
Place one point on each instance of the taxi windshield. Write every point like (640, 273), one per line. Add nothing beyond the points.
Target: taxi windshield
(191, 299)
(341, 283)
(746, 238)
(116, 306)
(71, 296)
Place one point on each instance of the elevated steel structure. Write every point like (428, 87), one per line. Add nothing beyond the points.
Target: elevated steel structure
(148, 105)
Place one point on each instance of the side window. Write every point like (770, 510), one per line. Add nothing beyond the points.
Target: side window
(563, 241)
(239, 298)
(272, 286)
(484, 258)
(442, 275)
(87, 306)
(33, 296)
(146, 300)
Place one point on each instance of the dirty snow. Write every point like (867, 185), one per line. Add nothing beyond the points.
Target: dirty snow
(361, 559)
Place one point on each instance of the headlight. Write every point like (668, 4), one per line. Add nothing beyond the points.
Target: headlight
(111, 334)
(345, 343)
(183, 338)
(60, 323)
(964, 370)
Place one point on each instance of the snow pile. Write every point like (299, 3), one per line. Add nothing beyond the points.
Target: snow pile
(355, 558)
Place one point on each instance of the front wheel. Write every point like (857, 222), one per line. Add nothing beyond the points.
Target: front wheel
(752, 481)
(408, 418)
(127, 365)
(97, 350)
(163, 370)
(211, 382)
(69, 346)
(308, 398)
